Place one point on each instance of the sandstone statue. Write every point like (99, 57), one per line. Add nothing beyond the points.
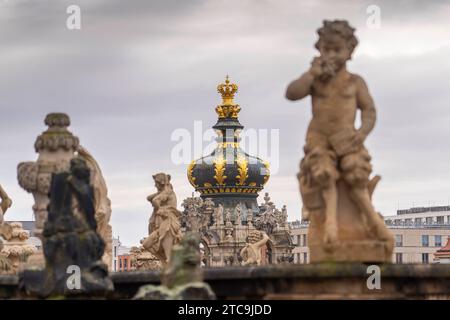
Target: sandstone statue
(16, 249)
(238, 210)
(334, 176)
(218, 215)
(5, 203)
(250, 217)
(251, 253)
(228, 217)
(56, 147)
(5, 231)
(182, 278)
(141, 259)
(102, 202)
(164, 225)
(70, 240)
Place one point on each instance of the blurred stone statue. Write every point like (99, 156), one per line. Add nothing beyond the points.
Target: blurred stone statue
(142, 259)
(238, 214)
(182, 277)
(218, 215)
(334, 177)
(164, 225)
(16, 249)
(70, 239)
(251, 253)
(250, 217)
(56, 147)
(228, 217)
(5, 231)
(5, 203)
(229, 235)
(102, 202)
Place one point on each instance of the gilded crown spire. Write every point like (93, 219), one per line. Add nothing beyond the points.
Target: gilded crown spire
(228, 108)
(227, 90)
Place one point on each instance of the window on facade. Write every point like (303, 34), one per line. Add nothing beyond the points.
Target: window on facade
(399, 258)
(438, 241)
(298, 240)
(408, 221)
(120, 263)
(418, 221)
(397, 222)
(429, 220)
(304, 240)
(398, 240)
(115, 251)
(305, 257)
(424, 257)
(115, 265)
(448, 219)
(440, 219)
(425, 240)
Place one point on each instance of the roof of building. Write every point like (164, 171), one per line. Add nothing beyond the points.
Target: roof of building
(444, 252)
(423, 209)
(228, 170)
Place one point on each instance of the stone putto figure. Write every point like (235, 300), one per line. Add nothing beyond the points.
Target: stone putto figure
(251, 253)
(334, 176)
(164, 226)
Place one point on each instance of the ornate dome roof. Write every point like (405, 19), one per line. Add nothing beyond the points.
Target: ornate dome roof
(228, 170)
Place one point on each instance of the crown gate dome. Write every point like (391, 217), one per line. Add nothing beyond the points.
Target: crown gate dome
(228, 170)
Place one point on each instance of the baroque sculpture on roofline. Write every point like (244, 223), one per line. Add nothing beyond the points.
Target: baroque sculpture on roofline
(334, 178)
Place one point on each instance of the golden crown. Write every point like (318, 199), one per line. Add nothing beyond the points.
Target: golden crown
(227, 90)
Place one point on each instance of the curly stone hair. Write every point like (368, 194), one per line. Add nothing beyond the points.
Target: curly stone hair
(339, 28)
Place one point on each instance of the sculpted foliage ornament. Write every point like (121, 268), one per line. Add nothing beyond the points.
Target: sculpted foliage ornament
(219, 169)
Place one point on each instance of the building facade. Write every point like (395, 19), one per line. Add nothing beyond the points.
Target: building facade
(120, 257)
(419, 233)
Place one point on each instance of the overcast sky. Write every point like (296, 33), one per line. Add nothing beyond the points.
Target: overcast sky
(138, 70)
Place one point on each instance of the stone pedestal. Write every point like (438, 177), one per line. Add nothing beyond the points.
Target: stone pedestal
(355, 242)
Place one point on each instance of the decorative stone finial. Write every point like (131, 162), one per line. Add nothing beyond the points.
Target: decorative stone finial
(56, 136)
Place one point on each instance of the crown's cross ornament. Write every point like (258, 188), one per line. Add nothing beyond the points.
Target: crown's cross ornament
(228, 109)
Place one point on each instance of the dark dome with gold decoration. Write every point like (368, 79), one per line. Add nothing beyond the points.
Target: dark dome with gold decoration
(228, 170)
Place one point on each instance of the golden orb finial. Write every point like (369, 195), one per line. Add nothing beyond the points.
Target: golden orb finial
(227, 90)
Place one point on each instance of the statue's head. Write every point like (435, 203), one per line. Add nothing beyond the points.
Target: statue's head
(79, 169)
(336, 42)
(161, 180)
